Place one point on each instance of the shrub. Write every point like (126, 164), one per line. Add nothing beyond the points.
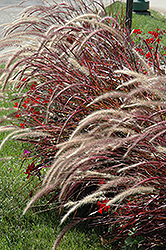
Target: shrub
(93, 110)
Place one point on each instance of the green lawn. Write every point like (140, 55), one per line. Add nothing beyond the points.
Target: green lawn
(32, 231)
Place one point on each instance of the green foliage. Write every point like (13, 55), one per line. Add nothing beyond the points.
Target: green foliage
(133, 243)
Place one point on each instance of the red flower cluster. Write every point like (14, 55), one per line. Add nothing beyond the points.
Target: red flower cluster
(102, 206)
(148, 55)
(150, 51)
(137, 31)
(29, 105)
(156, 32)
(101, 181)
(22, 125)
(15, 105)
(33, 87)
(155, 36)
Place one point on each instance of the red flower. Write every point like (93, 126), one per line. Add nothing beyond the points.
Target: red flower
(15, 105)
(50, 90)
(100, 211)
(148, 40)
(22, 125)
(102, 206)
(101, 182)
(24, 105)
(148, 55)
(32, 109)
(140, 51)
(17, 116)
(36, 113)
(158, 40)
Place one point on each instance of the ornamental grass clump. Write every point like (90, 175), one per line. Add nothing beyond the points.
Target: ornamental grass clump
(93, 109)
(115, 161)
(69, 59)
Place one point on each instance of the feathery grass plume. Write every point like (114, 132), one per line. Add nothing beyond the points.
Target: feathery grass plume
(62, 233)
(77, 176)
(74, 156)
(77, 65)
(5, 158)
(109, 95)
(11, 135)
(129, 192)
(7, 128)
(42, 192)
(162, 149)
(98, 115)
(88, 199)
(132, 166)
(117, 181)
(31, 134)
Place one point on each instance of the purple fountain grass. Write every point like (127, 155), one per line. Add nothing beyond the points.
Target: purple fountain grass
(135, 155)
(54, 79)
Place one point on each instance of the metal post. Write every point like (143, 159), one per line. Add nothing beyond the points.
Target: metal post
(129, 7)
